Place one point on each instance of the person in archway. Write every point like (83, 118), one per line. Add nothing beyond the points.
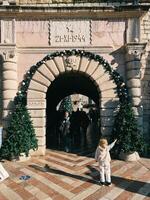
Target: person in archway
(75, 128)
(65, 131)
(84, 122)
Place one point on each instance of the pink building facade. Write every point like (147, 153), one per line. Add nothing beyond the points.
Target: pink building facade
(30, 30)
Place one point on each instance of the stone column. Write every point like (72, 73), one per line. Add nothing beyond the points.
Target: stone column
(133, 77)
(9, 83)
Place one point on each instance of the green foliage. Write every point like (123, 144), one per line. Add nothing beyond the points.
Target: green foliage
(125, 126)
(66, 105)
(125, 130)
(20, 135)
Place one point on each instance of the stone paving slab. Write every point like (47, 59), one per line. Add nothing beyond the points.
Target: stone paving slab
(64, 176)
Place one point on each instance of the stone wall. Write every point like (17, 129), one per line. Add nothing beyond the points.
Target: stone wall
(145, 74)
(43, 1)
(69, 1)
(145, 27)
(36, 37)
(145, 80)
(0, 92)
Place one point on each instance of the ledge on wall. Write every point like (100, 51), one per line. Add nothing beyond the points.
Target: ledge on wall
(115, 4)
(100, 3)
(79, 8)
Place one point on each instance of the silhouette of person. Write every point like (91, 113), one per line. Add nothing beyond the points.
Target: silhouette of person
(65, 131)
(84, 122)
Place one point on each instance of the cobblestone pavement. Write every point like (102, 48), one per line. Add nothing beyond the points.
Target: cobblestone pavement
(62, 176)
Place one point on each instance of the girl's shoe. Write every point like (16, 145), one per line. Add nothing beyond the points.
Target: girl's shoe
(108, 183)
(102, 183)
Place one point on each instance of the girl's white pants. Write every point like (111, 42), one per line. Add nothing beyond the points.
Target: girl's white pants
(105, 173)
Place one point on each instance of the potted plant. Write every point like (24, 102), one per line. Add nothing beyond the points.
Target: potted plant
(20, 136)
(130, 140)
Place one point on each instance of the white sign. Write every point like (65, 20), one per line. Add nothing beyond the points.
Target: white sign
(70, 33)
(3, 173)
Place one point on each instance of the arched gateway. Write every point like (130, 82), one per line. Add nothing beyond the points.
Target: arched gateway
(109, 88)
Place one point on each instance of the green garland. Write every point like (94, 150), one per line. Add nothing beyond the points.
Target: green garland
(21, 97)
(125, 107)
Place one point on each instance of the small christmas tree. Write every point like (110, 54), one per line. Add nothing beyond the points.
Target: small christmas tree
(66, 104)
(126, 131)
(20, 135)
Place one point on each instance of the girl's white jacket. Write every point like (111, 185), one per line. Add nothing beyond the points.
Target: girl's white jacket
(102, 155)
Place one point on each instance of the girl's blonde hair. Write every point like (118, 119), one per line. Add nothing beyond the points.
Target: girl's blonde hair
(103, 143)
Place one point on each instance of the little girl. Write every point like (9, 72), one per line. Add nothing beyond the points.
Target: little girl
(102, 156)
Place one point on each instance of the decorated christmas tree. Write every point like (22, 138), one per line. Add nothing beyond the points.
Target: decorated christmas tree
(20, 136)
(126, 131)
(66, 105)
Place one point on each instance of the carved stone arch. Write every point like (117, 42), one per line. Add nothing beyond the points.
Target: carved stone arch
(50, 69)
(40, 76)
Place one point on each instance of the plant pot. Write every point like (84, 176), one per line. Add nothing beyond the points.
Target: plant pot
(12, 158)
(132, 156)
(23, 158)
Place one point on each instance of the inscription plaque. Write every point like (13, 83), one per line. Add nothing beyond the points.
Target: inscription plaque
(69, 33)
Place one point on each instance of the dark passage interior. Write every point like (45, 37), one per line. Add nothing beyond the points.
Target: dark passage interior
(66, 84)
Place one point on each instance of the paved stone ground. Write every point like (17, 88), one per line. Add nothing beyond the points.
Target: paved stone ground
(71, 176)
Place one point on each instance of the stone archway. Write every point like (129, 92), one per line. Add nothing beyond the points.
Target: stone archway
(50, 68)
(40, 76)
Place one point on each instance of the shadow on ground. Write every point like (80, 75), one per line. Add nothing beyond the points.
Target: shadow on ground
(93, 177)
(46, 168)
(126, 184)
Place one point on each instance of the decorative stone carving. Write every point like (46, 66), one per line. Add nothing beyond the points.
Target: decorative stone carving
(134, 51)
(8, 55)
(8, 52)
(71, 62)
